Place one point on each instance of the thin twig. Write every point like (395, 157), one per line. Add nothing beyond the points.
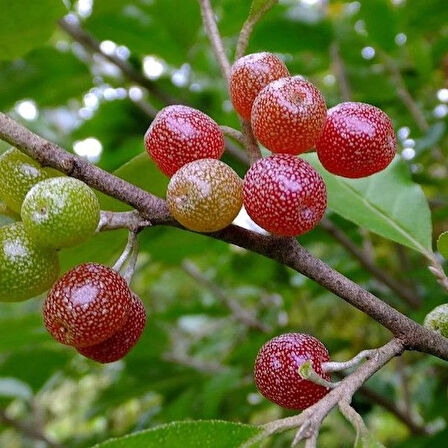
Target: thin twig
(239, 313)
(132, 238)
(212, 31)
(233, 133)
(122, 220)
(248, 27)
(27, 430)
(250, 142)
(200, 366)
(340, 72)
(286, 251)
(402, 291)
(91, 44)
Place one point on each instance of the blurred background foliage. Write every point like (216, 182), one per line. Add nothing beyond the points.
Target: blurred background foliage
(196, 356)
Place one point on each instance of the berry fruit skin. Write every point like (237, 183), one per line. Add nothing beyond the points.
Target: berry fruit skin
(276, 370)
(249, 75)
(284, 195)
(288, 115)
(358, 140)
(18, 173)
(121, 343)
(205, 195)
(26, 270)
(437, 320)
(60, 212)
(87, 305)
(179, 135)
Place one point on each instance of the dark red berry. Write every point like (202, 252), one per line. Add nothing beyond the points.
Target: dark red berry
(284, 194)
(179, 135)
(87, 305)
(358, 140)
(288, 115)
(121, 343)
(276, 370)
(250, 74)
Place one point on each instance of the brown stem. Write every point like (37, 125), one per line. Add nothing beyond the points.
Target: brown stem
(87, 41)
(248, 27)
(212, 31)
(284, 250)
(339, 71)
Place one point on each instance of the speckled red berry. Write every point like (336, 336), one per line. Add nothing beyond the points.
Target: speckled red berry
(250, 74)
(121, 343)
(276, 370)
(288, 115)
(179, 135)
(284, 194)
(358, 140)
(87, 305)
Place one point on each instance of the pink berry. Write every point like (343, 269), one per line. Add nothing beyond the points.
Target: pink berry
(358, 140)
(276, 370)
(121, 343)
(288, 115)
(87, 305)
(284, 194)
(250, 74)
(179, 135)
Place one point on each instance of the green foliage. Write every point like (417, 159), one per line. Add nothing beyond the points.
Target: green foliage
(195, 359)
(380, 203)
(26, 24)
(442, 244)
(208, 434)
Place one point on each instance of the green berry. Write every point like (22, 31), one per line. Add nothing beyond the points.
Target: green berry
(26, 270)
(437, 320)
(60, 212)
(18, 173)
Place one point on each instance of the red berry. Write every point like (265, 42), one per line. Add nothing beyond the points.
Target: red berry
(250, 74)
(284, 194)
(276, 370)
(87, 305)
(358, 140)
(179, 135)
(288, 115)
(121, 343)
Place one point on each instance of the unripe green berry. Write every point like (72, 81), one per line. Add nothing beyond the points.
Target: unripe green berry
(18, 173)
(437, 320)
(60, 212)
(26, 270)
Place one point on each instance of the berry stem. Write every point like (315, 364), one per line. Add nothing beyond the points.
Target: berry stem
(248, 27)
(128, 273)
(250, 142)
(307, 372)
(132, 238)
(337, 366)
(212, 31)
(233, 133)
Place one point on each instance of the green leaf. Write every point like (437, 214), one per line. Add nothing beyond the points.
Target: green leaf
(26, 24)
(442, 244)
(206, 434)
(432, 136)
(388, 203)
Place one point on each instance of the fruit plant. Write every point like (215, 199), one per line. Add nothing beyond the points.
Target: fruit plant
(279, 213)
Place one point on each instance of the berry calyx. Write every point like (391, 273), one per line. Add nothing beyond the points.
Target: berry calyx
(249, 75)
(358, 140)
(179, 135)
(121, 343)
(284, 195)
(18, 173)
(276, 370)
(26, 270)
(60, 212)
(288, 115)
(87, 305)
(205, 195)
(437, 320)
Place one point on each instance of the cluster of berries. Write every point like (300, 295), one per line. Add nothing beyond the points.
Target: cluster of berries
(91, 307)
(282, 193)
